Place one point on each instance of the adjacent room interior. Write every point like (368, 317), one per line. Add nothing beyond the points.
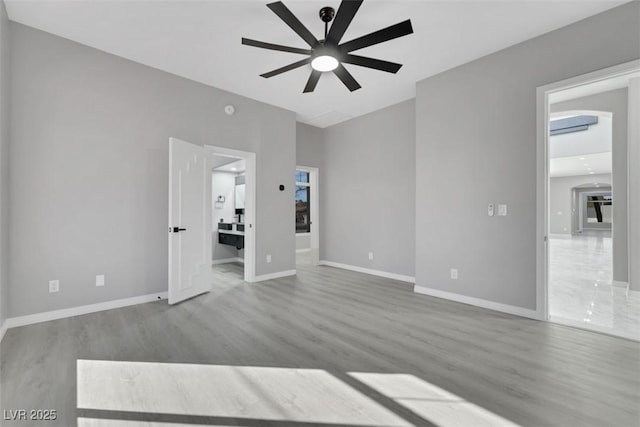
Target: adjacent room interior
(588, 208)
(301, 213)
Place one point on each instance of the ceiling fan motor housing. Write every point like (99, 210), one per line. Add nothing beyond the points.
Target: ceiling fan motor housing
(327, 13)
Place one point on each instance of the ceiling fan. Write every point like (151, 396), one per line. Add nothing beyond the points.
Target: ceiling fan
(329, 54)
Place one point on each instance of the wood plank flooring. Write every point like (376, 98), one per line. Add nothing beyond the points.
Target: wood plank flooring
(427, 361)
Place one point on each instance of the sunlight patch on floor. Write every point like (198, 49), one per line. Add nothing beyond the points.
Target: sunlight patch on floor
(431, 402)
(100, 422)
(261, 393)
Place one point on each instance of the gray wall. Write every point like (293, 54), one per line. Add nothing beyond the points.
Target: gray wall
(303, 241)
(560, 199)
(367, 191)
(89, 170)
(476, 140)
(4, 162)
(309, 146)
(617, 103)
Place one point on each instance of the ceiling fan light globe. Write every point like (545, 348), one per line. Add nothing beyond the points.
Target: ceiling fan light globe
(324, 63)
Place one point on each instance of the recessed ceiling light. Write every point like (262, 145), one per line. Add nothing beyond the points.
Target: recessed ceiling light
(591, 173)
(582, 158)
(234, 169)
(586, 164)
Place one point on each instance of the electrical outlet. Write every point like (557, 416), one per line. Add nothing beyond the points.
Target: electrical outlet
(371, 256)
(268, 259)
(100, 280)
(454, 273)
(54, 286)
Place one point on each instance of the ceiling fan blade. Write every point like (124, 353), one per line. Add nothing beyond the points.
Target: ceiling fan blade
(290, 19)
(346, 78)
(312, 82)
(286, 68)
(344, 16)
(377, 64)
(264, 45)
(398, 30)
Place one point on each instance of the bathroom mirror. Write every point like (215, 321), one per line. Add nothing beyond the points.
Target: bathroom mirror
(239, 203)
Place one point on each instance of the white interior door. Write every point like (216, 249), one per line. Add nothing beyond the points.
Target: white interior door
(190, 271)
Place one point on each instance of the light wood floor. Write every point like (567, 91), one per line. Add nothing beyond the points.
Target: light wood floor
(374, 335)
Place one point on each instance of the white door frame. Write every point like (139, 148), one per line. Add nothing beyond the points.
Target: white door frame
(249, 209)
(542, 167)
(314, 183)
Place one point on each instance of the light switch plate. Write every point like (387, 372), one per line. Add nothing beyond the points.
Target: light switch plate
(100, 280)
(502, 210)
(491, 209)
(54, 286)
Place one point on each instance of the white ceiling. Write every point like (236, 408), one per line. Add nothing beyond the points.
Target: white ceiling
(228, 164)
(585, 152)
(588, 164)
(200, 40)
(239, 166)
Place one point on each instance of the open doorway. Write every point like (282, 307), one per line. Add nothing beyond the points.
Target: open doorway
(307, 216)
(586, 202)
(233, 213)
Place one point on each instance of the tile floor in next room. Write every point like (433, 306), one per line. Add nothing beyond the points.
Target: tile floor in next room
(581, 287)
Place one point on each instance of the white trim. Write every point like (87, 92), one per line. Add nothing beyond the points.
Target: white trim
(589, 327)
(30, 319)
(372, 272)
(542, 170)
(227, 261)
(299, 251)
(277, 275)
(620, 284)
(495, 306)
(3, 329)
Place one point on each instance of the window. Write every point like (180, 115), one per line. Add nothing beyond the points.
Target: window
(303, 199)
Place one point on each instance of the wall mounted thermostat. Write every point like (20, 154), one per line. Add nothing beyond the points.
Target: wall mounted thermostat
(491, 209)
(229, 109)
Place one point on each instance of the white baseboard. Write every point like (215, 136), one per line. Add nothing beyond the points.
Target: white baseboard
(30, 319)
(378, 273)
(619, 284)
(3, 329)
(227, 261)
(478, 302)
(277, 275)
(595, 328)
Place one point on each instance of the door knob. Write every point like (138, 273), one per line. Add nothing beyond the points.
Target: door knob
(177, 229)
